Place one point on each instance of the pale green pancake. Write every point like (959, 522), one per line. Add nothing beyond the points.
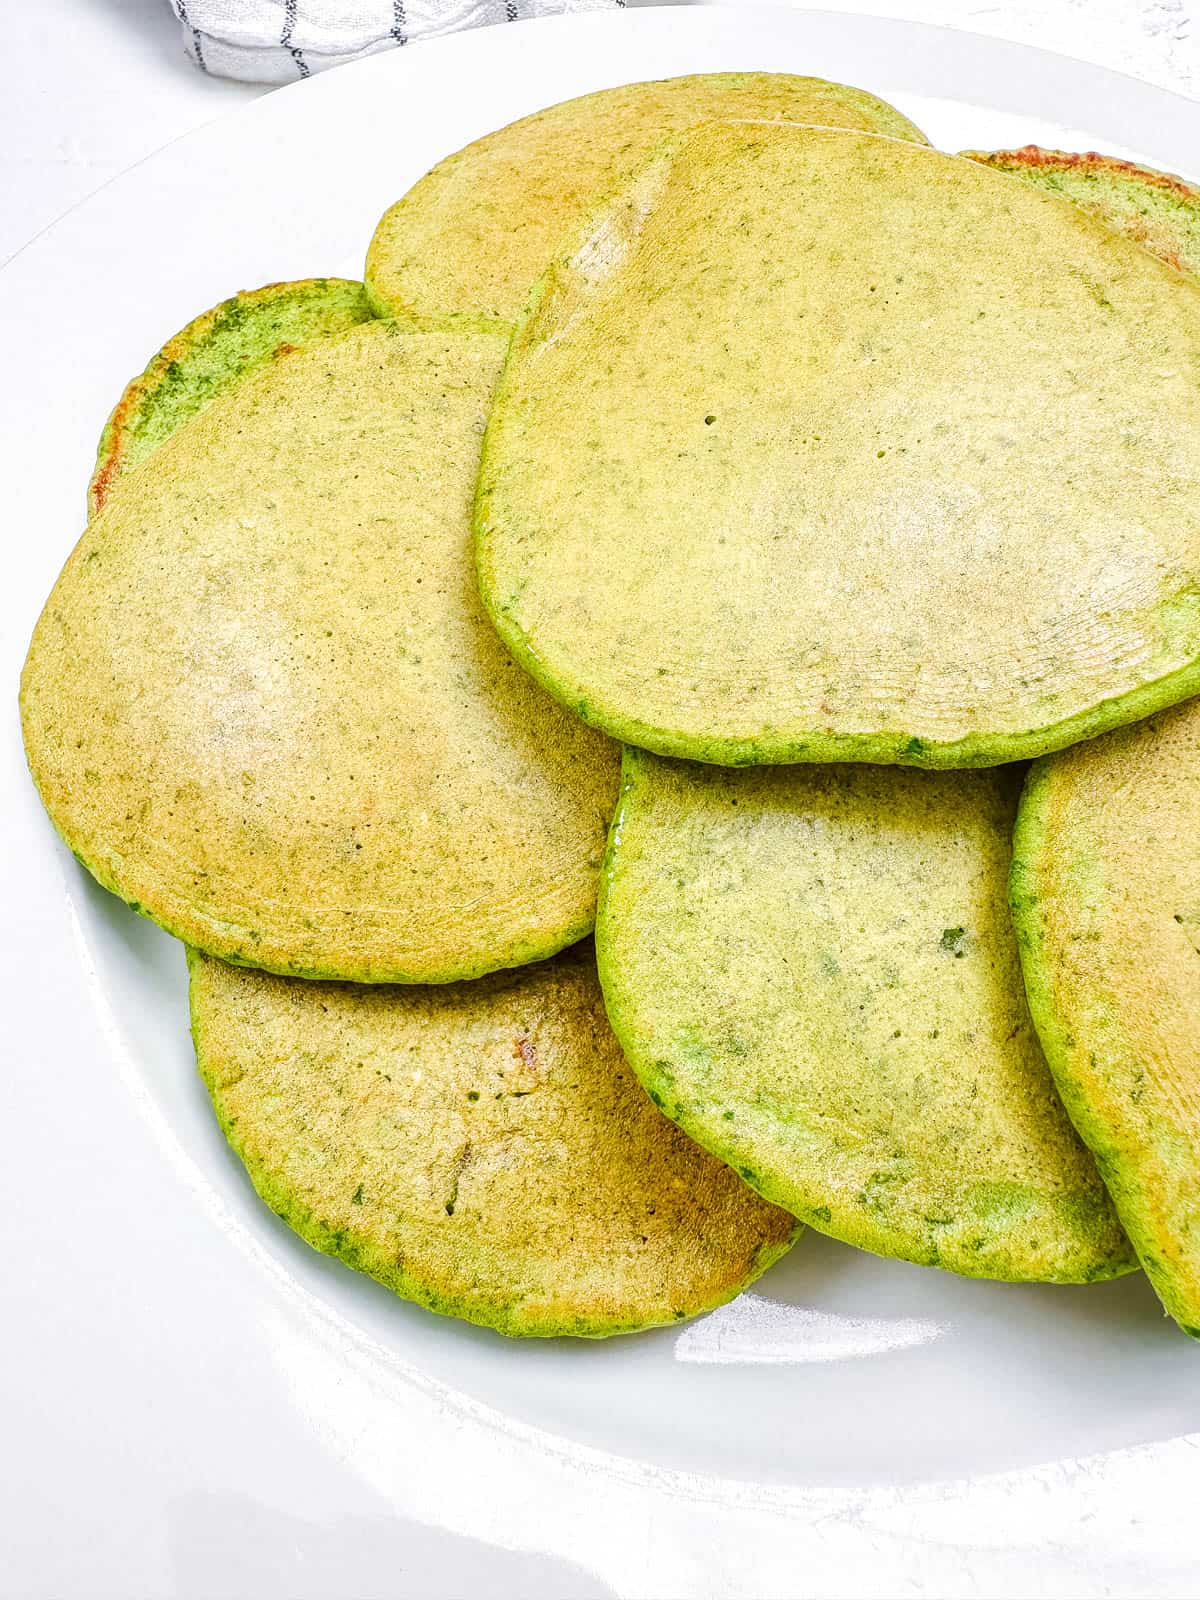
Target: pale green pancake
(212, 352)
(827, 446)
(1155, 209)
(480, 1148)
(475, 233)
(1106, 899)
(264, 705)
(812, 970)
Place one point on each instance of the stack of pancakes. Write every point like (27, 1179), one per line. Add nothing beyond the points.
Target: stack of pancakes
(698, 462)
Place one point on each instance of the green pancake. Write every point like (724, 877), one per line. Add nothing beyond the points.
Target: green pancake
(480, 1148)
(264, 705)
(1155, 209)
(828, 446)
(1106, 900)
(1104, 882)
(812, 971)
(212, 352)
(474, 234)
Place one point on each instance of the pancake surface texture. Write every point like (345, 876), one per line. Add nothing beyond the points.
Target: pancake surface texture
(213, 351)
(264, 704)
(860, 451)
(476, 232)
(1106, 899)
(813, 971)
(481, 1148)
(1155, 209)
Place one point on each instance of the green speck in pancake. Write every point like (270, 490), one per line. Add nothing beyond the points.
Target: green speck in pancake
(480, 1148)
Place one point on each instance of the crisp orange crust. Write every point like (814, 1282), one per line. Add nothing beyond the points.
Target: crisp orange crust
(1033, 156)
(1035, 164)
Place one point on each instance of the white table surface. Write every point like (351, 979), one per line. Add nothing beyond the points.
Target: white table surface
(93, 86)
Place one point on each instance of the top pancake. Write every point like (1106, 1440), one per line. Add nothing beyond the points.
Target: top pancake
(264, 704)
(476, 231)
(860, 451)
(214, 350)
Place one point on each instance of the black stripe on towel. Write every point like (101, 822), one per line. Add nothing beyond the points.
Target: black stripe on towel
(285, 38)
(197, 47)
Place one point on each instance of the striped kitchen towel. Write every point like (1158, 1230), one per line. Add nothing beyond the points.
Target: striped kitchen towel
(276, 41)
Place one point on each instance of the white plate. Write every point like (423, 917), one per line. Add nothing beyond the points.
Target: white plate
(195, 1404)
